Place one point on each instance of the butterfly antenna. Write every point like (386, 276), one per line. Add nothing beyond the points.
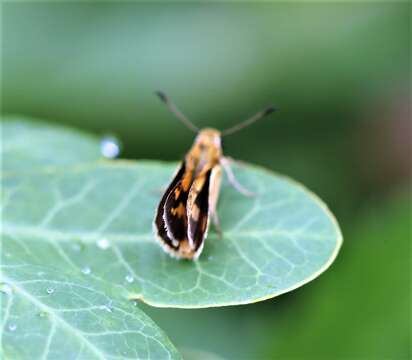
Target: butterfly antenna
(250, 121)
(173, 108)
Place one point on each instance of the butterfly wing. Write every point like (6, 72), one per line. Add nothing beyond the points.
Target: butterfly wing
(182, 217)
(168, 243)
(174, 213)
(171, 216)
(198, 208)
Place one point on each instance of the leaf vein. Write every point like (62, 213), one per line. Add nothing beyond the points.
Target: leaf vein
(61, 321)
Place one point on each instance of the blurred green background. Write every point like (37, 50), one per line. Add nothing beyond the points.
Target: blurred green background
(340, 74)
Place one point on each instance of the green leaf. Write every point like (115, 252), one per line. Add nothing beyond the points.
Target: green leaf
(48, 313)
(92, 224)
(27, 145)
(52, 310)
(273, 243)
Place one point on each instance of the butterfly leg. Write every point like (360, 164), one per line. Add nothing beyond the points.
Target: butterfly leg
(213, 198)
(239, 163)
(225, 162)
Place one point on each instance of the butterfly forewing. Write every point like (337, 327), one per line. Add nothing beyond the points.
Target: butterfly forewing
(174, 213)
(198, 211)
(161, 229)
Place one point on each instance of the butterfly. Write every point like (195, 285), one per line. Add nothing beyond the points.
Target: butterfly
(183, 215)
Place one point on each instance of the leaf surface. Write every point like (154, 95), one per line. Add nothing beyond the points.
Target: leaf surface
(272, 243)
(49, 314)
(50, 309)
(28, 145)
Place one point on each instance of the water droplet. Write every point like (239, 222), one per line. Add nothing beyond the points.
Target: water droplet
(86, 270)
(50, 290)
(109, 147)
(129, 278)
(6, 289)
(43, 314)
(76, 247)
(103, 243)
(135, 302)
(12, 327)
(210, 257)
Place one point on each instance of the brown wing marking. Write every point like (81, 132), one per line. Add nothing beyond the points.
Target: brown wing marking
(174, 213)
(159, 220)
(198, 211)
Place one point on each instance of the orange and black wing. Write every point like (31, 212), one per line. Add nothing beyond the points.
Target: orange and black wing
(198, 211)
(182, 216)
(161, 229)
(175, 213)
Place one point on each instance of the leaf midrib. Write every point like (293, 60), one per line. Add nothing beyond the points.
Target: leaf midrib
(91, 237)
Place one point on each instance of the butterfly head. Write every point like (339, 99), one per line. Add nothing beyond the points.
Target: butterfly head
(209, 138)
(207, 149)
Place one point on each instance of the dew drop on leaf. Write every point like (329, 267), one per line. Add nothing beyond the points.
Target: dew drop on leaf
(76, 247)
(50, 290)
(103, 243)
(12, 327)
(86, 270)
(6, 289)
(109, 147)
(129, 278)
